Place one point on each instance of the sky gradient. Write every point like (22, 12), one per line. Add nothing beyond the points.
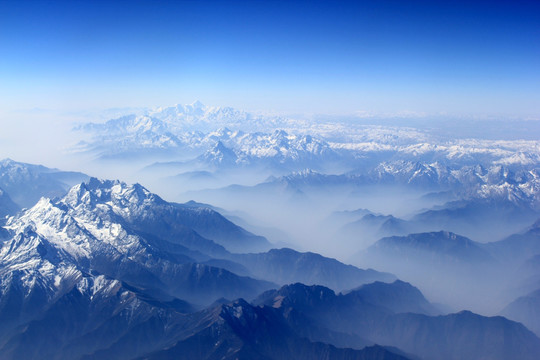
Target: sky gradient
(338, 57)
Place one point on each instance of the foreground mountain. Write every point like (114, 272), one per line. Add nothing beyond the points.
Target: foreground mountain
(66, 266)
(398, 297)
(161, 217)
(81, 268)
(464, 335)
(294, 322)
(113, 271)
(365, 315)
(242, 331)
(130, 234)
(126, 233)
(91, 313)
(101, 319)
(345, 320)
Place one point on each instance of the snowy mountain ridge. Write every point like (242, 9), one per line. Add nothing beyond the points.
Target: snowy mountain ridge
(105, 228)
(497, 182)
(196, 128)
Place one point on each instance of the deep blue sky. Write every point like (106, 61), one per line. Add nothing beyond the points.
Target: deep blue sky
(306, 56)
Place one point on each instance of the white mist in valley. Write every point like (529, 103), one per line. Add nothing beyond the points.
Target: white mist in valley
(404, 200)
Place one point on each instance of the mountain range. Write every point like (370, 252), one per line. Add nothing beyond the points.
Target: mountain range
(180, 130)
(375, 312)
(110, 270)
(109, 255)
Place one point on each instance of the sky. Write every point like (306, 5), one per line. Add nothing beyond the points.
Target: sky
(330, 57)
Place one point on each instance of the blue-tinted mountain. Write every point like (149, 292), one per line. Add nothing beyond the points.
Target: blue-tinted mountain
(487, 219)
(414, 173)
(126, 233)
(93, 313)
(284, 266)
(398, 297)
(320, 314)
(149, 214)
(449, 268)
(463, 335)
(365, 315)
(346, 216)
(78, 282)
(7, 206)
(377, 226)
(212, 225)
(26, 183)
(241, 331)
(467, 182)
(517, 248)
(131, 137)
(433, 248)
(219, 156)
(99, 318)
(527, 275)
(204, 135)
(526, 310)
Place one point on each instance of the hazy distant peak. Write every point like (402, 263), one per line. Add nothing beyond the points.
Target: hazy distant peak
(305, 172)
(536, 225)
(198, 105)
(299, 295)
(6, 161)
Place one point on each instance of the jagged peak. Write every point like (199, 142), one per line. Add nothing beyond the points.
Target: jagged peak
(7, 161)
(93, 285)
(220, 149)
(305, 172)
(443, 234)
(221, 131)
(304, 294)
(42, 207)
(535, 225)
(107, 190)
(198, 104)
(220, 145)
(396, 284)
(280, 133)
(239, 309)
